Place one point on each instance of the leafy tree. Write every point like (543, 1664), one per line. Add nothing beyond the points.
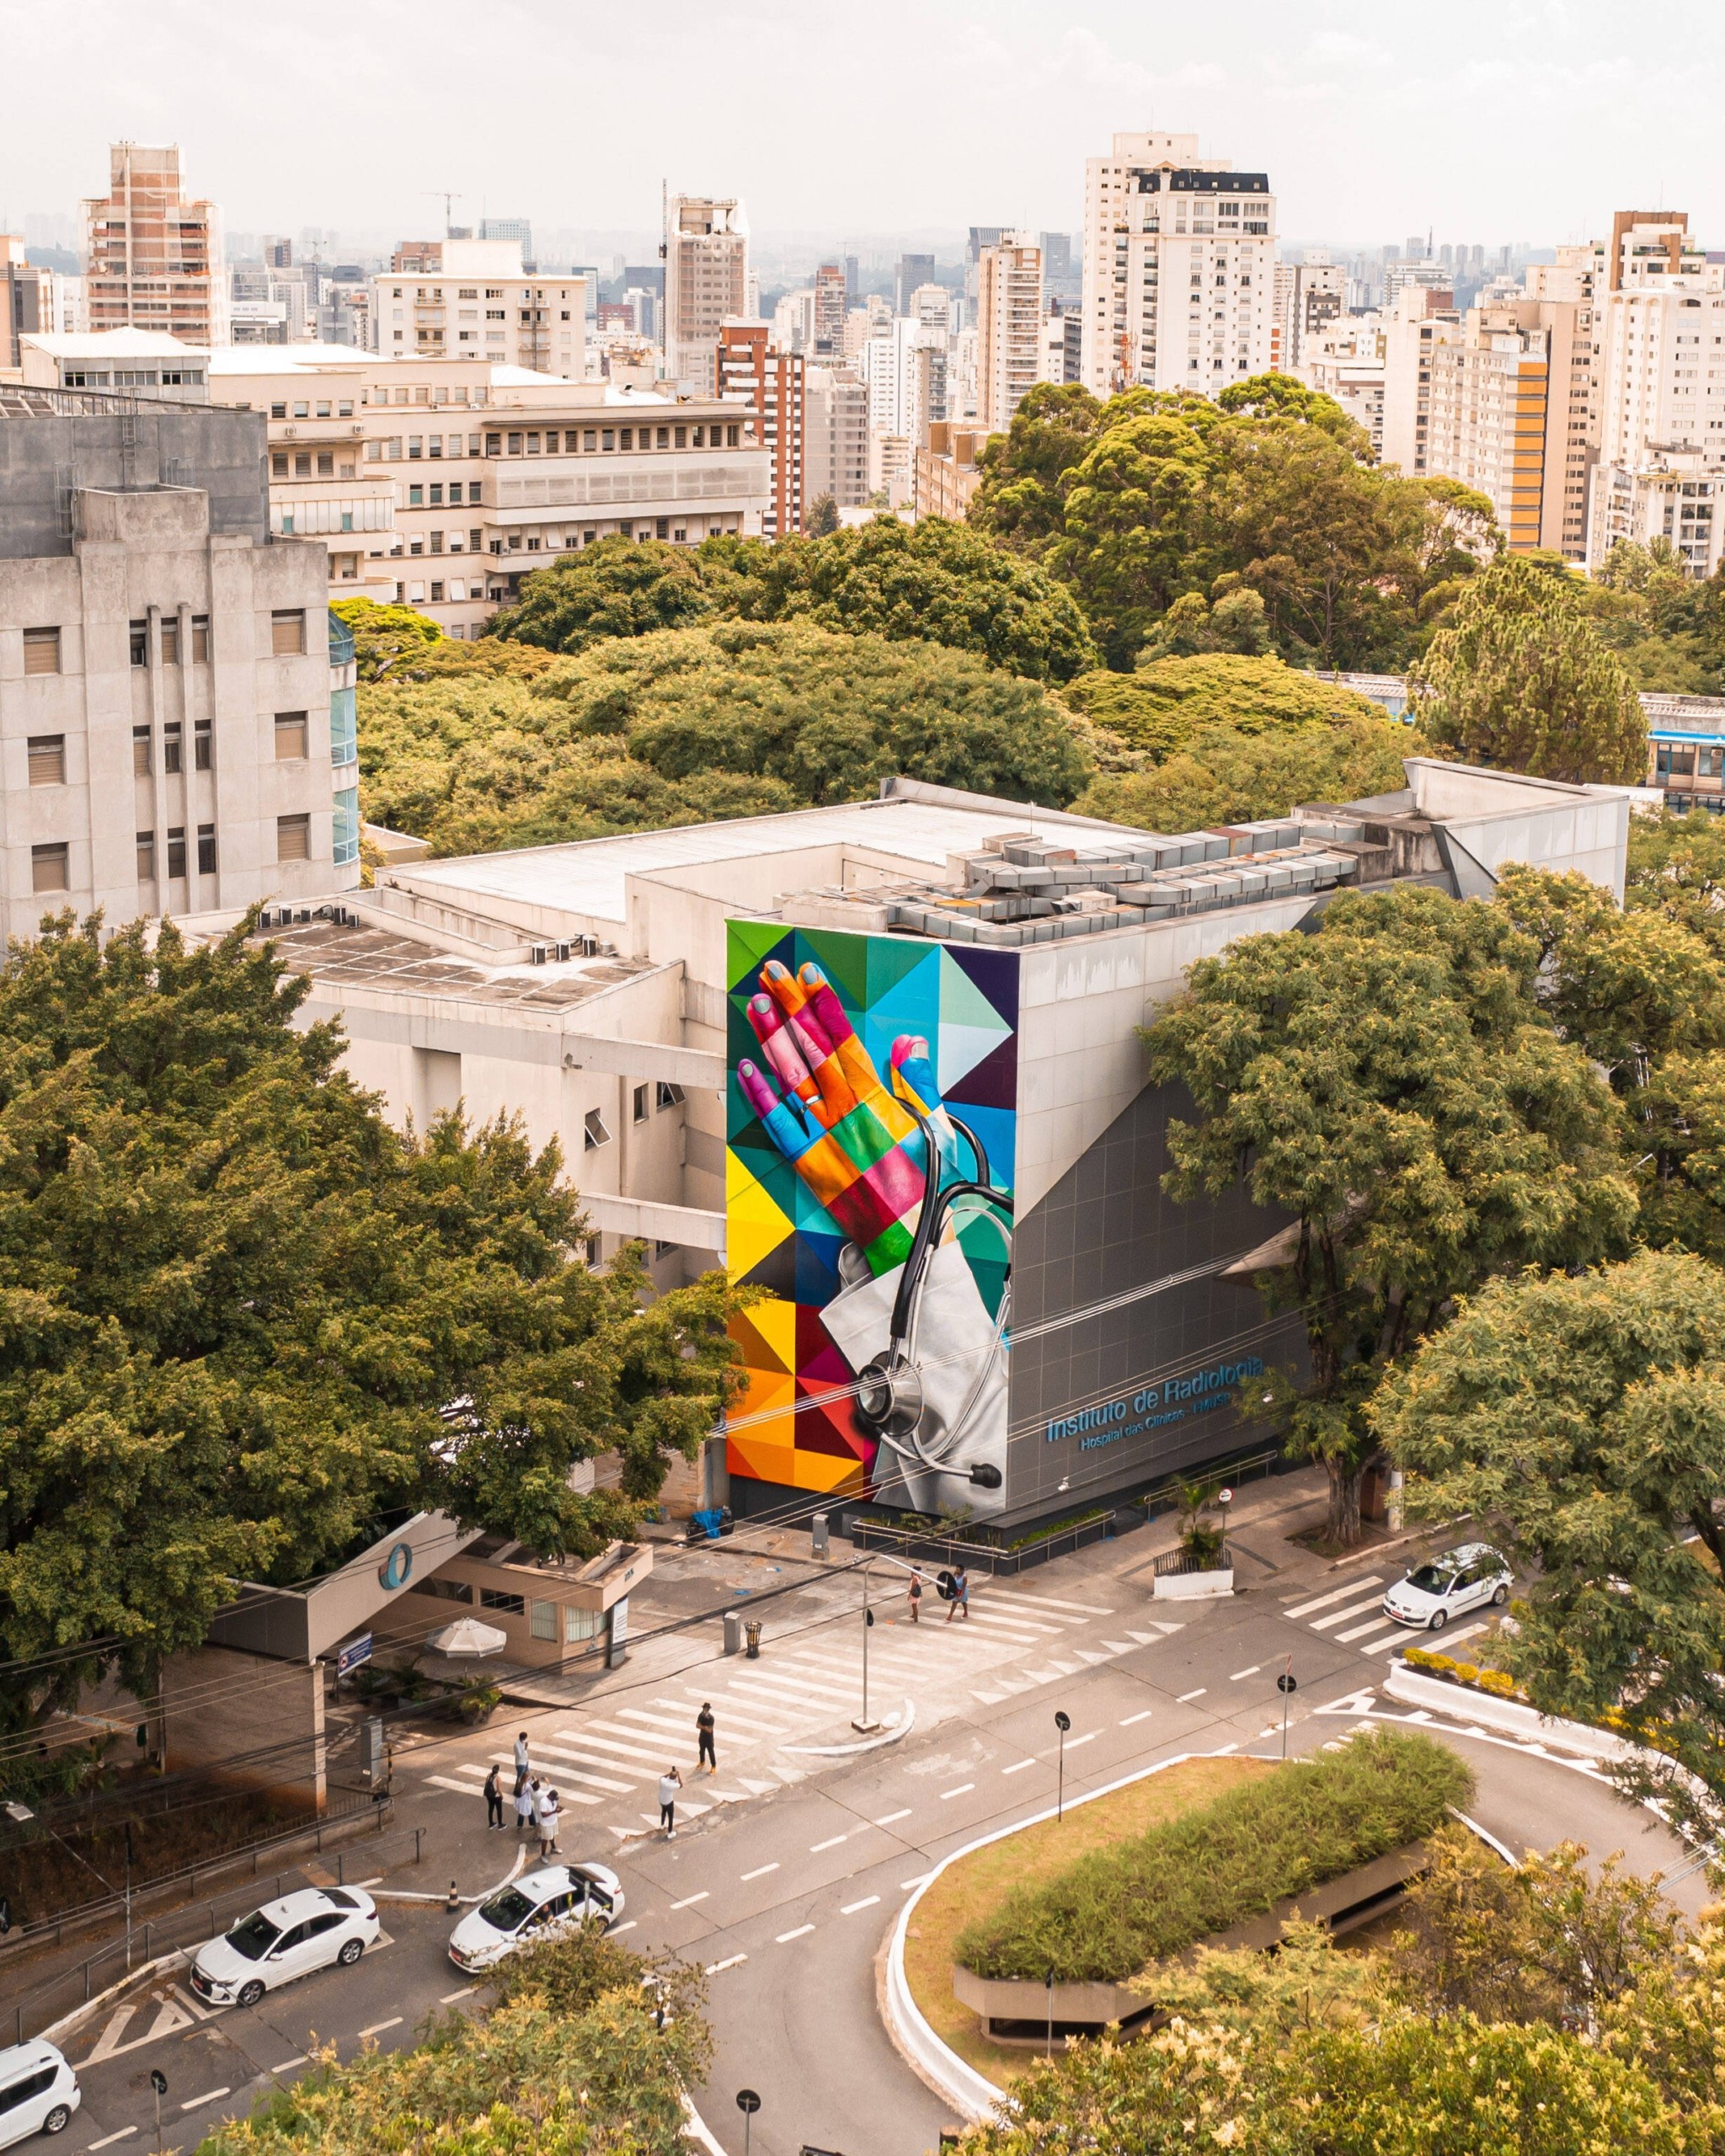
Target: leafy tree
(239, 1306)
(1026, 472)
(1285, 397)
(1161, 705)
(1521, 679)
(1224, 775)
(932, 582)
(1667, 626)
(1387, 1081)
(1677, 867)
(823, 517)
(738, 720)
(1236, 623)
(574, 2061)
(1581, 1419)
(386, 637)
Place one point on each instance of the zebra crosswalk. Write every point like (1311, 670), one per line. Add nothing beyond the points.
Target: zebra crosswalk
(1378, 1633)
(606, 1763)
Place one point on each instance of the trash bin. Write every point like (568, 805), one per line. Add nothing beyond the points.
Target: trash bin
(817, 1538)
(733, 1631)
(752, 1628)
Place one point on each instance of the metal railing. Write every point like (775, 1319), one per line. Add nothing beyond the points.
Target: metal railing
(1173, 1563)
(56, 1996)
(30, 401)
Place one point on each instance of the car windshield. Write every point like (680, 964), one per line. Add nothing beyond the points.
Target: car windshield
(1432, 1579)
(254, 1937)
(505, 1911)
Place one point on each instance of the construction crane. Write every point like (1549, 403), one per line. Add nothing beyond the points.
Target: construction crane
(448, 198)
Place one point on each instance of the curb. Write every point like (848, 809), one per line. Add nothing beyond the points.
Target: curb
(970, 2091)
(1462, 1703)
(894, 1730)
(67, 2023)
(696, 2128)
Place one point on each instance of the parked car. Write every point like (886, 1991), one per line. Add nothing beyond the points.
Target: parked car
(1475, 1576)
(538, 1905)
(316, 1929)
(39, 2091)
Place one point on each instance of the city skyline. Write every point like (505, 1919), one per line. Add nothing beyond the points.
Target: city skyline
(1533, 121)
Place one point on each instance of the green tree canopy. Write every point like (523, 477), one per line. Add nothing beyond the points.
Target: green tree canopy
(1521, 679)
(741, 718)
(386, 637)
(1677, 868)
(1162, 704)
(1581, 1420)
(1226, 774)
(932, 582)
(1388, 1082)
(244, 1317)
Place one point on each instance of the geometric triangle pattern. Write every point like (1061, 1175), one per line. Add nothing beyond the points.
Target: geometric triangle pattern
(794, 1421)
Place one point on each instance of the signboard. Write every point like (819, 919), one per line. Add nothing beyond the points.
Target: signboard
(349, 1657)
(871, 1139)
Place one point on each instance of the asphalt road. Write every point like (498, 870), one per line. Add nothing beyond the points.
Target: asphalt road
(788, 1899)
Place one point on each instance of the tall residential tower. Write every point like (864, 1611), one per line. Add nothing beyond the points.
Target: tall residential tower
(152, 259)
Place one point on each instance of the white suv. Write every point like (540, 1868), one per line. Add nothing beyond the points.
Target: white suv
(39, 2092)
(1475, 1576)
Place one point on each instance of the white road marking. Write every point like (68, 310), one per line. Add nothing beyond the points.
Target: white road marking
(1239, 1673)
(377, 2028)
(689, 1901)
(784, 1938)
(450, 1997)
(108, 2140)
(714, 1967)
(1222, 1749)
(1143, 1716)
(616, 1928)
(761, 1870)
(1336, 1594)
(958, 1791)
(443, 1782)
(1360, 1631)
(1186, 1698)
(1385, 1646)
(299, 2058)
(1054, 1602)
(815, 1847)
(1354, 1610)
(891, 1815)
(851, 1908)
(1089, 1737)
(209, 2096)
(1018, 1766)
(920, 1880)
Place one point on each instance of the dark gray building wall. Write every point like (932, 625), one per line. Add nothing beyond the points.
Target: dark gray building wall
(1105, 1229)
(42, 460)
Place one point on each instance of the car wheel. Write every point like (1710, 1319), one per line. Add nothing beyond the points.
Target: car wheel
(1500, 1595)
(249, 1994)
(351, 1950)
(57, 2120)
(1439, 1618)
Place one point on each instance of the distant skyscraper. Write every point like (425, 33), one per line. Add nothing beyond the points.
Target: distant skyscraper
(706, 282)
(1009, 323)
(829, 310)
(1179, 262)
(152, 259)
(913, 269)
(521, 228)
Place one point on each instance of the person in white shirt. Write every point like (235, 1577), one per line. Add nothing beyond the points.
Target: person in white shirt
(520, 1759)
(670, 1783)
(549, 1813)
(524, 1808)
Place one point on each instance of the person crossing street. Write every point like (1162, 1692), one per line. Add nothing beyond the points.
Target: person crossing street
(704, 1728)
(669, 1782)
(494, 1800)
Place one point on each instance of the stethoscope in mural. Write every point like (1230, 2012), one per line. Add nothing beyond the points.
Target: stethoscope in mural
(888, 1164)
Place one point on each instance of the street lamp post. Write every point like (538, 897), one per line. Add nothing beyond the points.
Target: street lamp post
(1063, 1722)
(748, 2103)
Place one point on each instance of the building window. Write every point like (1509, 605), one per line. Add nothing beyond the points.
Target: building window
(146, 856)
(641, 1108)
(542, 1619)
(206, 849)
(140, 752)
(287, 632)
(670, 1096)
(47, 756)
(293, 838)
(48, 870)
(579, 1625)
(139, 634)
(176, 850)
(201, 745)
(171, 746)
(201, 639)
(493, 1597)
(170, 639)
(345, 849)
(595, 1134)
(41, 651)
(290, 737)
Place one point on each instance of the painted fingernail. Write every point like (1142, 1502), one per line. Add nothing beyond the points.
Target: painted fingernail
(773, 970)
(811, 976)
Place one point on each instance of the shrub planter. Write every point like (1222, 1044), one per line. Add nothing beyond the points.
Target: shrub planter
(1178, 1576)
(1467, 1703)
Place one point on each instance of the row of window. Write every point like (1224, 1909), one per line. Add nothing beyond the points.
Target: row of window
(579, 1625)
(545, 441)
(50, 864)
(287, 638)
(46, 752)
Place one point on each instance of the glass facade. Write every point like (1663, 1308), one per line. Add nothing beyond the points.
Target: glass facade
(346, 847)
(343, 727)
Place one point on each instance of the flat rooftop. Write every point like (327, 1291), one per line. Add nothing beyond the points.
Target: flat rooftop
(361, 957)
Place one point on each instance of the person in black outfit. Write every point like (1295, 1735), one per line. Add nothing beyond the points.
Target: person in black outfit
(494, 1800)
(703, 1724)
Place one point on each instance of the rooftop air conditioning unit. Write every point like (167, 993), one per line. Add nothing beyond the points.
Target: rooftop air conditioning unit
(537, 954)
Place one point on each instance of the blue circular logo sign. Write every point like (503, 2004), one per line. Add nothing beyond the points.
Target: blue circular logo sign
(398, 1567)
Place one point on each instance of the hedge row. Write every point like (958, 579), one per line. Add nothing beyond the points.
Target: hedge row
(1112, 1913)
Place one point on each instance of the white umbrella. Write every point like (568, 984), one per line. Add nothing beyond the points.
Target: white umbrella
(468, 1635)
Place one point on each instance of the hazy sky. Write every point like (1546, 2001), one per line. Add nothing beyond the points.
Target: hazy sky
(1491, 120)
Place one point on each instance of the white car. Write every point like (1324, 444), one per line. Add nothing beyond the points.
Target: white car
(538, 1905)
(39, 2092)
(1475, 1576)
(317, 1929)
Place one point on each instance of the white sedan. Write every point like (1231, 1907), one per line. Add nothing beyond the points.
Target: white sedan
(320, 1928)
(540, 1904)
(1475, 1576)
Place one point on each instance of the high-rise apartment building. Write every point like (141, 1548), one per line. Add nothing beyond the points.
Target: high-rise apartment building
(152, 257)
(706, 284)
(830, 306)
(912, 270)
(473, 299)
(1308, 295)
(835, 436)
(519, 229)
(26, 299)
(169, 742)
(1009, 356)
(770, 382)
(1412, 328)
(1179, 263)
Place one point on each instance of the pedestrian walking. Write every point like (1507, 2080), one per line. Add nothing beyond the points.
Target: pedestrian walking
(916, 1598)
(524, 1808)
(669, 1782)
(959, 1606)
(521, 1762)
(494, 1800)
(550, 1810)
(704, 1728)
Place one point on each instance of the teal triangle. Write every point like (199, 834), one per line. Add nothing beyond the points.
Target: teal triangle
(845, 961)
(963, 1003)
